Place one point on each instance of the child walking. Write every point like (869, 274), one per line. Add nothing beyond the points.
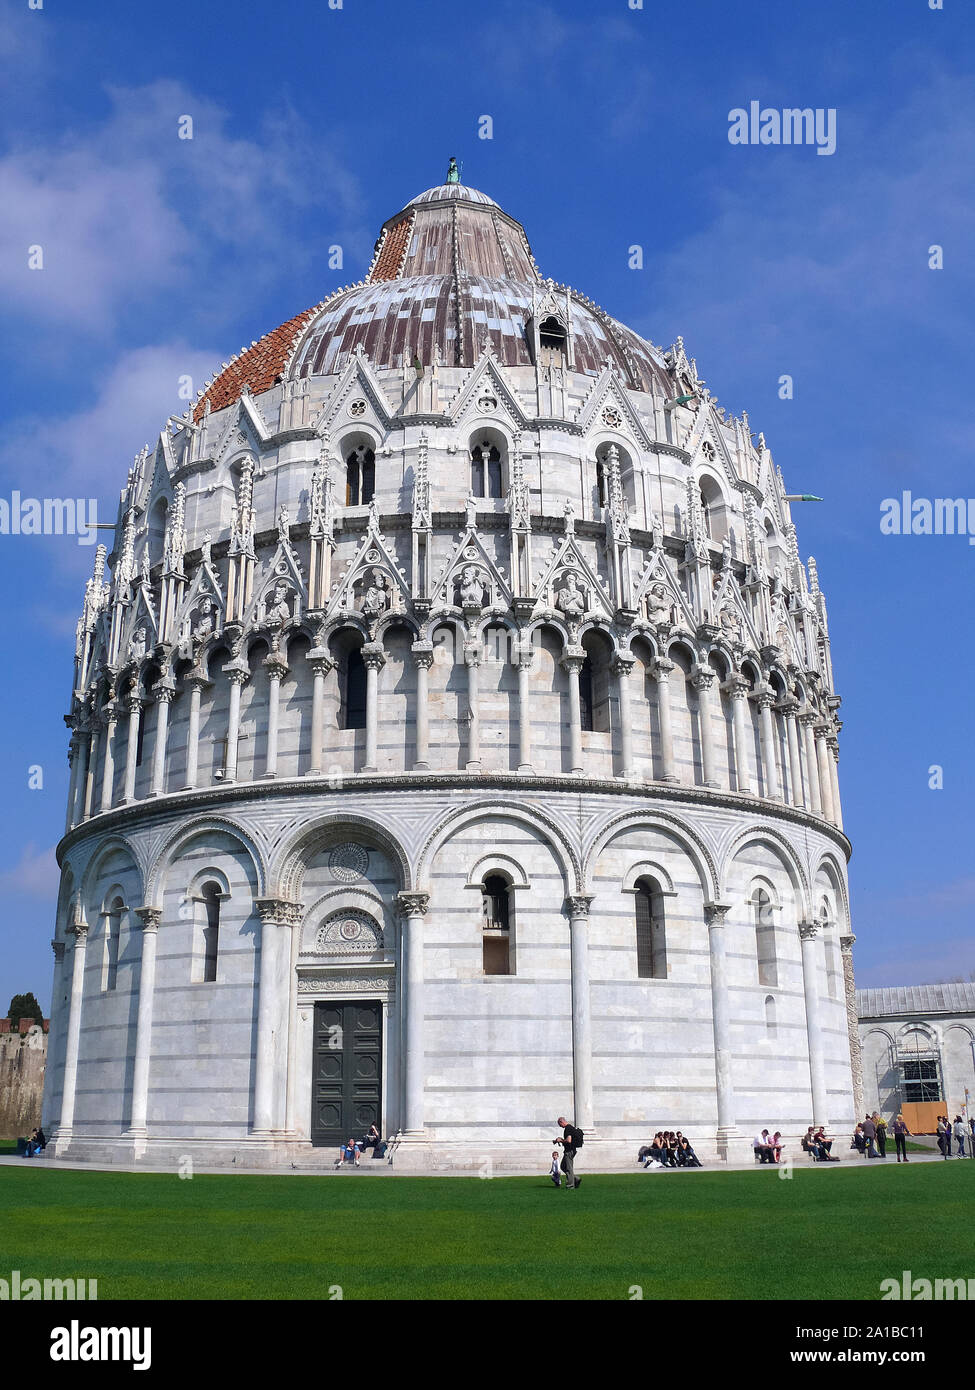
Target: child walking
(554, 1173)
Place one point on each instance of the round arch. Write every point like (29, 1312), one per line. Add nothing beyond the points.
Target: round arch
(790, 861)
(288, 865)
(693, 846)
(551, 832)
(166, 855)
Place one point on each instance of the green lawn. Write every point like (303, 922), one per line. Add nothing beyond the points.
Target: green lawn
(823, 1234)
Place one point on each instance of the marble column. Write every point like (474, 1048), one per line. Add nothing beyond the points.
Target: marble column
(833, 759)
(237, 673)
(133, 703)
(621, 669)
(49, 1117)
(764, 699)
(164, 692)
(788, 709)
(80, 933)
(195, 684)
(74, 763)
(413, 909)
(578, 905)
(150, 917)
(526, 659)
(94, 743)
(277, 669)
(422, 660)
(809, 935)
(823, 759)
(472, 660)
(111, 711)
(374, 659)
(808, 722)
(702, 681)
(572, 663)
(852, 1022)
(271, 1007)
(321, 663)
(714, 915)
(662, 669)
(737, 688)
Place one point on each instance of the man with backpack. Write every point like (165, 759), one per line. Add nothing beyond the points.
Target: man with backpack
(572, 1139)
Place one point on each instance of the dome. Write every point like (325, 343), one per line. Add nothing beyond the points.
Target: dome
(451, 273)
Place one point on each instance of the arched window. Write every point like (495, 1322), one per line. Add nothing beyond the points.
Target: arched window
(354, 691)
(552, 340)
(829, 950)
(706, 514)
(486, 470)
(651, 939)
(211, 931)
(360, 476)
(602, 481)
(771, 1027)
(113, 931)
(497, 944)
(765, 938)
(585, 696)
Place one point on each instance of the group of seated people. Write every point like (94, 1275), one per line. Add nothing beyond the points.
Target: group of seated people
(352, 1148)
(815, 1143)
(668, 1150)
(767, 1147)
(36, 1144)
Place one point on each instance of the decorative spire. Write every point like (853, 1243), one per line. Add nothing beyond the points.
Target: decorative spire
(242, 519)
(174, 547)
(126, 565)
(421, 486)
(518, 500)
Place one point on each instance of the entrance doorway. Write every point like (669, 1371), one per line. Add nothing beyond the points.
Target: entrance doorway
(346, 1071)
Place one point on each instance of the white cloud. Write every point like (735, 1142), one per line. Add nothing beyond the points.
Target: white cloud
(125, 208)
(36, 875)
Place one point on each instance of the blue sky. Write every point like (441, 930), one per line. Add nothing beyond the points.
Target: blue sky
(610, 128)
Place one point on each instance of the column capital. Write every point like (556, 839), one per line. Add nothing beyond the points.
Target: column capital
(789, 705)
(79, 930)
(164, 692)
(572, 658)
(150, 917)
(808, 931)
(578, 904)
(279, 912)
(413, 904)
(622, 664)
(237, 672)
(197, 680)
(703, 677)
(276, 665)
(472, 653)
(422, 654)
(846, 944)
(737, 687)
(662, 667)
(809, 719)
(764, 698)
(715, 913)
(132, 701)
(58, 948)
(373, 656)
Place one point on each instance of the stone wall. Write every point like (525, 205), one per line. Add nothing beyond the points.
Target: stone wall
(22, 1059)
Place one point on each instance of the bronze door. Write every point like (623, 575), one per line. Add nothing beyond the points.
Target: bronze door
(346, 1071)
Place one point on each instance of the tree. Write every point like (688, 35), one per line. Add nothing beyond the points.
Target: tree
(24, 1006)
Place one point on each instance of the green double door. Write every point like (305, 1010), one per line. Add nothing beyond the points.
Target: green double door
(346, 1071)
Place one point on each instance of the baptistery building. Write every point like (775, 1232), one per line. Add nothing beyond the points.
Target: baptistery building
(453, 747)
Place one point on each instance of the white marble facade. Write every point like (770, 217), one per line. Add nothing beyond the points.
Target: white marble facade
(423, 594)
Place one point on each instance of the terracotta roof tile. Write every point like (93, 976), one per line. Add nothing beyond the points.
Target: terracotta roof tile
(257, 367)
(393, 250)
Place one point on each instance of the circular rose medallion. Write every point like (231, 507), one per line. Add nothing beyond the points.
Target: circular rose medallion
(348, 862)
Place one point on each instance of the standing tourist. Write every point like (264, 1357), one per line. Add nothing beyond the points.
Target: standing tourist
(901, 1132)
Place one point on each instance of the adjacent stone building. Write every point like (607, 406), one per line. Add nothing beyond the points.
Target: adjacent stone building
(918, 1048)
(23, 1055)
(454, 746)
